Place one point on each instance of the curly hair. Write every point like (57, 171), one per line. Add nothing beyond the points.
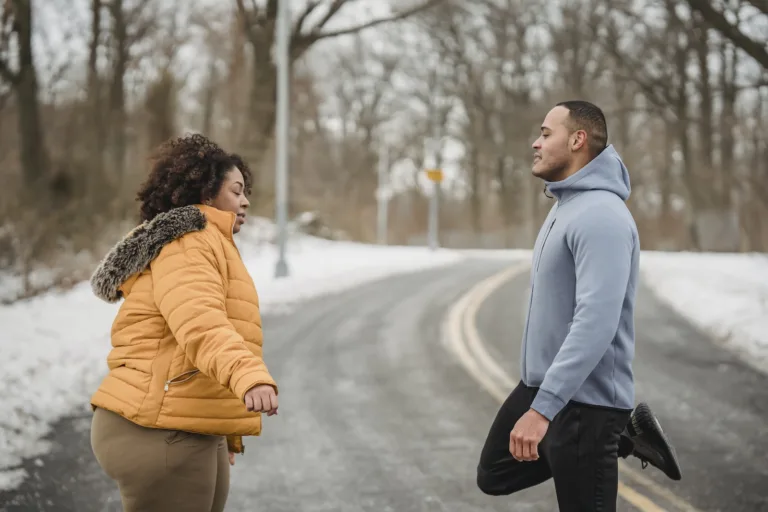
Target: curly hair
(187, 170)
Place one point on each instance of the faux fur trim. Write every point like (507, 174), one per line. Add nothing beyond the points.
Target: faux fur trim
(140, 246)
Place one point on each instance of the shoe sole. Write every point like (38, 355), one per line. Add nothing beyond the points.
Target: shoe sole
(643, 420)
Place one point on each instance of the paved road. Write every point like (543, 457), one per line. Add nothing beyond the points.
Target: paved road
(713, 407)
(377, 416)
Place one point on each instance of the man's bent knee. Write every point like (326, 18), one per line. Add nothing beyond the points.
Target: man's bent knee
(491, 484)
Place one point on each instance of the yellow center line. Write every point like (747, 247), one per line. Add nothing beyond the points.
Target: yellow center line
(640, 501)
(463, 338)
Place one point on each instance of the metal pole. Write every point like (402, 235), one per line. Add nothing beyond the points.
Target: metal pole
(435, 199)
(382, 197)
(433, 212)
(281, 131)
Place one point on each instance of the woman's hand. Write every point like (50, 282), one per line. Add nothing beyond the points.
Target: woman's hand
(231, 458)
(261, 398)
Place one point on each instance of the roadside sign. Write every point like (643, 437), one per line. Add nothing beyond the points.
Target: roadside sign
(435, 175)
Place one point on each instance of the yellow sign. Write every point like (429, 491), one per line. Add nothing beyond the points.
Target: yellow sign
(435, 175)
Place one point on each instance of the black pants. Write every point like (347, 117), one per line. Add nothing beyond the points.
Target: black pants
(579, 452)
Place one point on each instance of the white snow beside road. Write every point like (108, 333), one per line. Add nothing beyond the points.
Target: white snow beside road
(54, 346)
(723, 294)
(318, 267)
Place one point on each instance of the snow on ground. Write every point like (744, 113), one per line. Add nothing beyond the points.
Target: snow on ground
(723, 294)
(54, 346)
(317, 267)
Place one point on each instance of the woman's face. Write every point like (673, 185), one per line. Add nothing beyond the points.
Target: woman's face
(231, 197)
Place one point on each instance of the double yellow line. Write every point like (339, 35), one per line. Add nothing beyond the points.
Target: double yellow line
(461, 336)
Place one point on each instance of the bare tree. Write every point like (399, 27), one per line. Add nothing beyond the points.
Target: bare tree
(580, 57)
(260, 23)
(719, 21)
(16, 30)
(131, 23)
(365, 100)
(160, 105)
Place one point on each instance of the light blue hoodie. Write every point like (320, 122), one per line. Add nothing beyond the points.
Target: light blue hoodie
(579, 338)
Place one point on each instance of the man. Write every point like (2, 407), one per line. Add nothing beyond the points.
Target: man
(570, 418)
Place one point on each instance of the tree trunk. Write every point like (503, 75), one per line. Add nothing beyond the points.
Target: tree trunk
(209, 101)
(727, 119)
(34, 154)
(505, 200)
(474, 198)
(262, 103)
(694, 184)
(94, 92)
(665, 186)
(117, 115)
(705, 95)
(160, 110)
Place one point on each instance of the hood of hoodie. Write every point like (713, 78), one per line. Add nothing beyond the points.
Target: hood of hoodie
(116, 273)
(605, 172)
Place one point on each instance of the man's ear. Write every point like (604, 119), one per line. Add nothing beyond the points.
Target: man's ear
(578, 140)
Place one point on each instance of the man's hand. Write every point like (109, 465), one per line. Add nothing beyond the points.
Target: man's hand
(525, 437)
(261, 398)
(231, 458)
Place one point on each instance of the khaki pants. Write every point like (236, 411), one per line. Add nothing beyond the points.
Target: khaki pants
(161, 470)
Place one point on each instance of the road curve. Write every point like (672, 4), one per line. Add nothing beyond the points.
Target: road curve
(376, 414)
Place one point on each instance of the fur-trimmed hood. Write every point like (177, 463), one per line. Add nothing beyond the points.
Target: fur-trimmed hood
(140, 246)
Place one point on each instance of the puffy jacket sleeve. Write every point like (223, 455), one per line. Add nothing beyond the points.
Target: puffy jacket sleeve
(189, 291)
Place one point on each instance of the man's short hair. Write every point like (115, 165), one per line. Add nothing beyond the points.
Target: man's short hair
(586, 116)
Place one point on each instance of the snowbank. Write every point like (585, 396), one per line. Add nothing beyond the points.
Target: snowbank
(54, 346)
(724, 294)
(317, 267)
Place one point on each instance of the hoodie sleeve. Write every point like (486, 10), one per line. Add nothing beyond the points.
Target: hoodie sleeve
(602, 243)
(189, 291)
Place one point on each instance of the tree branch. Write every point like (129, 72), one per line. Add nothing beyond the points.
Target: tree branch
(6, 28)
(8, 75)
(334, 8)
(311, 6)
(249, 19)
(718, 21)
(316, 35)
(760, 5)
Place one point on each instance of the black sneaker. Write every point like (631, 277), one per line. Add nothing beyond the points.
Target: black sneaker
(651, 444)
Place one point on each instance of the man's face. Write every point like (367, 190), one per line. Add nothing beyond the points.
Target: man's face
(552, 154)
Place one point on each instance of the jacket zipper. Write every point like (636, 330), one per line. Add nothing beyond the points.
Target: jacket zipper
(530, 298)
(184, 377)
(544, 243)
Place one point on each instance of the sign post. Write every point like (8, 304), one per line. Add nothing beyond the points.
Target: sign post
(436, 177)
(383, 195)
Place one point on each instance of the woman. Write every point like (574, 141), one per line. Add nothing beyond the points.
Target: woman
(186, 366)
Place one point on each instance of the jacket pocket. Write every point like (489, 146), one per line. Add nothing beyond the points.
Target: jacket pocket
(181, 378)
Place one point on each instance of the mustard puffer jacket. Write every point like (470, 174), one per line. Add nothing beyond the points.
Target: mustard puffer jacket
(187, 340)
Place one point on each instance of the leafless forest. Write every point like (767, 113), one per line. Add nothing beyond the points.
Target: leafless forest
(89, 87)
